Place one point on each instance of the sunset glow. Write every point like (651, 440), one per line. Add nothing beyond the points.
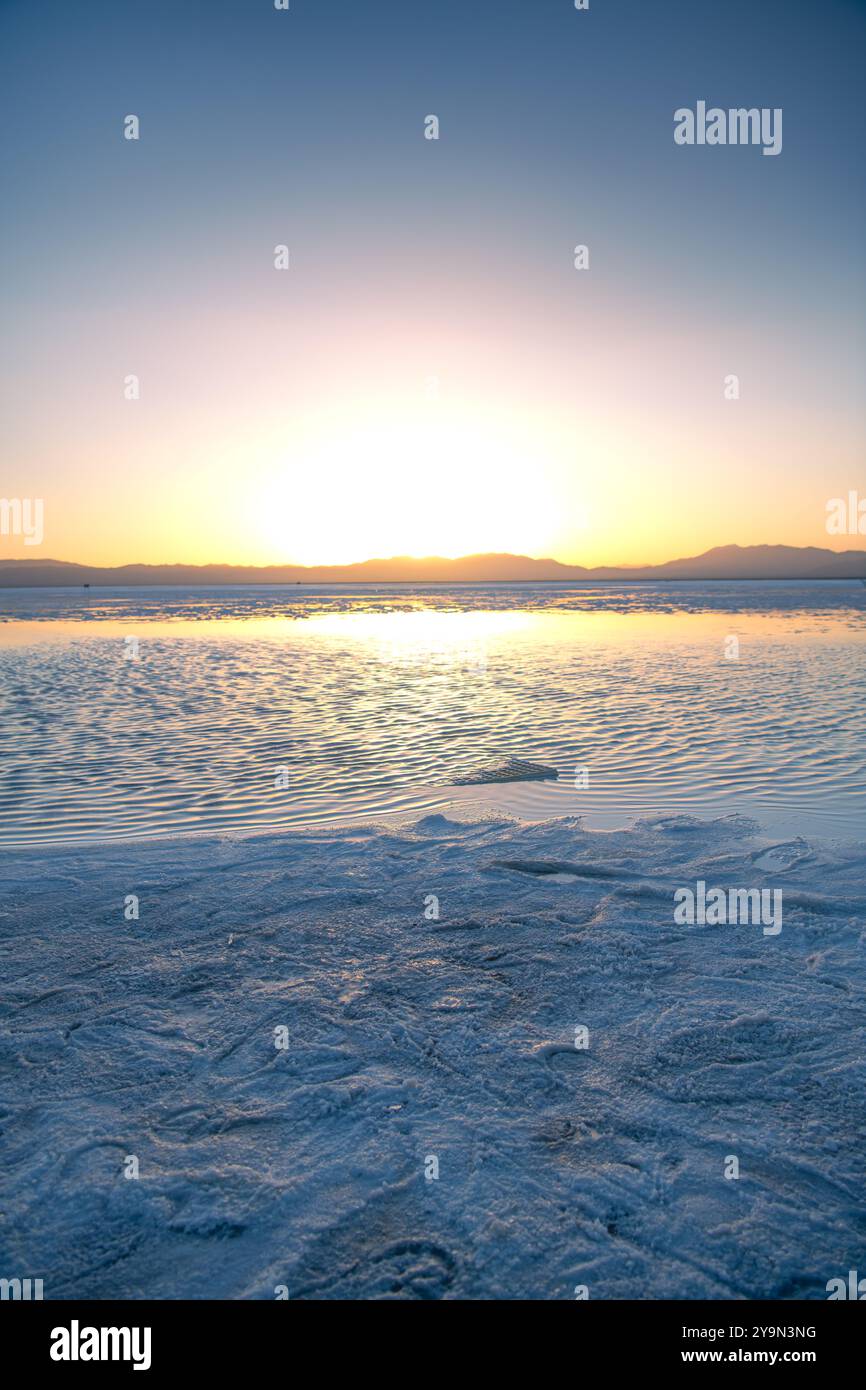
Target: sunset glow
(431, 374)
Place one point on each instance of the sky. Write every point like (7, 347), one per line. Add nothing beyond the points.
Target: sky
(431, 374)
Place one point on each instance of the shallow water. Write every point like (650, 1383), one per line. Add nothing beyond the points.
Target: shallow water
(149, 712)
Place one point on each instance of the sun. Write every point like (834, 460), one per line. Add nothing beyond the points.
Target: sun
(420, 485)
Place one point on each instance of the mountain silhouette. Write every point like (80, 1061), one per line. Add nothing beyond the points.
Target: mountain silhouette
(722, 562)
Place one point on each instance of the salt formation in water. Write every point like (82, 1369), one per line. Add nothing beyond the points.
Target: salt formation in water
(506, 770)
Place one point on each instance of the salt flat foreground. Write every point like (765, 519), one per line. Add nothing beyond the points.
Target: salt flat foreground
(411, 1038)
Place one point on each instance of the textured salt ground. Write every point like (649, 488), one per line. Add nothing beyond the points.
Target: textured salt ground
(410, 1037)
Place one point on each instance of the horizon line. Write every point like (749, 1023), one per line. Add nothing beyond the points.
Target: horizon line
(772, 560)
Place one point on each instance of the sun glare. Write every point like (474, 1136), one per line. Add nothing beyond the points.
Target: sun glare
(417, 486)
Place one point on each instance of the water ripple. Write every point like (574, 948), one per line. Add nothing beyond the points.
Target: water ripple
(234, 724)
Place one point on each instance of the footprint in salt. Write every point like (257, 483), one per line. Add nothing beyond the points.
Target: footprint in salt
(782, 856)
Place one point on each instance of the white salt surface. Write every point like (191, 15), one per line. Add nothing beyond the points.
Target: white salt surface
(409, 1038)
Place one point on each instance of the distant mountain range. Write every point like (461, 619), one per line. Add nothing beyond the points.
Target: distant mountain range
(723, 562)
